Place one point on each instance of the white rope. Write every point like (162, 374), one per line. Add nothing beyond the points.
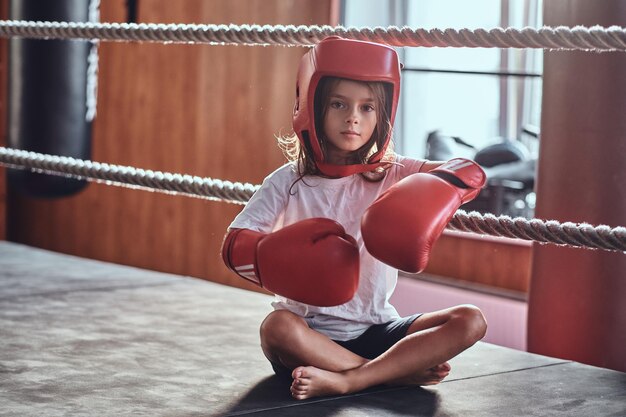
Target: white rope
(125, 176)
(551, 231)
(596, 38)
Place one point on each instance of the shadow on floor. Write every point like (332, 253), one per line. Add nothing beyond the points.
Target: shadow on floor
(385, 401)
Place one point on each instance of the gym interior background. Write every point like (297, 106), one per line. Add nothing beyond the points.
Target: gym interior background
(214, 111)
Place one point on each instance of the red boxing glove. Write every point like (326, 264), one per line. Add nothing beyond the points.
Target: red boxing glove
(313, 261)
(404, 222)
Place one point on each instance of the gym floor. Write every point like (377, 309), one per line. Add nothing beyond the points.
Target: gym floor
(83, 337)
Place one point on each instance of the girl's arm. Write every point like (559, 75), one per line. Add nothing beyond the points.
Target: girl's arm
(409, 166)
(430, 165)
(266, 206)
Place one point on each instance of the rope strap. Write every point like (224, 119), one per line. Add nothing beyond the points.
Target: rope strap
(551, 231)
(596, 38)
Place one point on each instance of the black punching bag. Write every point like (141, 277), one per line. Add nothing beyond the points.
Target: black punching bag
(48, 110)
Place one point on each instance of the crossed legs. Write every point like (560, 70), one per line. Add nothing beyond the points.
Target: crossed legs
(322, 367)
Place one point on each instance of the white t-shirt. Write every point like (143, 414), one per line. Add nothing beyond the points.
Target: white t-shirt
(278, 204)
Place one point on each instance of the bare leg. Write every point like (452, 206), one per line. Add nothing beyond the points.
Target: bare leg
(430, 376)
(433, 339)
(438, 373)
(287, 339)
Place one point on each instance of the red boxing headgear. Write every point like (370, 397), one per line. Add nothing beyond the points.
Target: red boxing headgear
(353, 60)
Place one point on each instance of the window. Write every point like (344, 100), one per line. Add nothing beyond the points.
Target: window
(480, 108)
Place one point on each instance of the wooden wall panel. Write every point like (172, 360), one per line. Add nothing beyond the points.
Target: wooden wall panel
(208, 111)
(496, 262)
(196, 109)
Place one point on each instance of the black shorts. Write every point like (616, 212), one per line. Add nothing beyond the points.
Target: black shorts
(376, 340)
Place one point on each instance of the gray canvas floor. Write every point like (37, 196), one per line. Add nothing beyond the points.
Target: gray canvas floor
(85, 338)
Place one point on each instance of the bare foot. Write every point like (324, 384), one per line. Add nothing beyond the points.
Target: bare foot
(432, 376)
(309, 381)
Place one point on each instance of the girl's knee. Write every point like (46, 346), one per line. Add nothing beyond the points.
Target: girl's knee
(473, 320)
(281, 327)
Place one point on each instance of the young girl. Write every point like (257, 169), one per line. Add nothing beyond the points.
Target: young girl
(328, 334)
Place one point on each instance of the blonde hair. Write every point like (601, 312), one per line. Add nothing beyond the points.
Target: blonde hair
(383, 93)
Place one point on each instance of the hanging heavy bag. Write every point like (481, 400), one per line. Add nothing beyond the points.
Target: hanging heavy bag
(48, 96)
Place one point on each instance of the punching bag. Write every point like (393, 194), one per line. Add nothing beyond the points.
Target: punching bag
(577, 299)
(48, 96)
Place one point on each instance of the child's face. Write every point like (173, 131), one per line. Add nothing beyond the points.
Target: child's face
(350, 119)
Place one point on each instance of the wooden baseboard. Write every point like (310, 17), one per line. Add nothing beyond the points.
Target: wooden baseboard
(501, 263)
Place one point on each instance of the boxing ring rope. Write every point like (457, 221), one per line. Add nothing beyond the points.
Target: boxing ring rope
(130, 177)
(595, 38)
(582, 38)
(551, 231)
